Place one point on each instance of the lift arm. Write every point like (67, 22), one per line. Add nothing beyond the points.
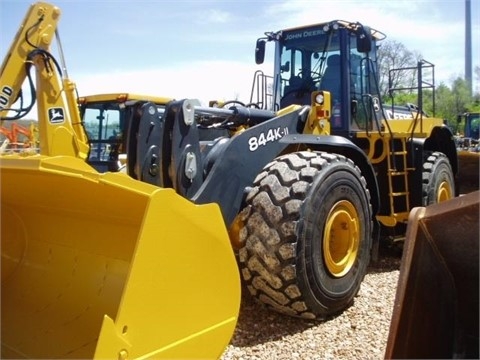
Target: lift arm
(60, 129)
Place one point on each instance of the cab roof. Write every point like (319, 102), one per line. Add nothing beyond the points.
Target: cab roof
(353, 26)
(123, 97)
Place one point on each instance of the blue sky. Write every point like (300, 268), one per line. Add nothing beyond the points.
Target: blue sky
(205, 49)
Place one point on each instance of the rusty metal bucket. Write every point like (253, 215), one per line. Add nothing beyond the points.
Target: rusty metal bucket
(468, 171)
(436, 310)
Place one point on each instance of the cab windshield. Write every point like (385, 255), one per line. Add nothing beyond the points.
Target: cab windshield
(108, 125)
(473, 130)
(103, 124)
(303, 58)
(315, 59)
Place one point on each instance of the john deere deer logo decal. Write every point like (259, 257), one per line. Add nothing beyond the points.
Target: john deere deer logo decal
(56, 115)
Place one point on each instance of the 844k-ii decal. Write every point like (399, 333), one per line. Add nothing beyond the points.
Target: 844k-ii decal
(265, 137)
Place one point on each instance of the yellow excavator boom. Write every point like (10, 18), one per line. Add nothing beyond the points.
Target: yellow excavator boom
(60, 128)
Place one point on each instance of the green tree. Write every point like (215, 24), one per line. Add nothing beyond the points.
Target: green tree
(476, 92)
(462, 100)
(444, 103)
(450, 101)
(454, 101)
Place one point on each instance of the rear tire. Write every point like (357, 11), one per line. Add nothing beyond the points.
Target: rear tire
(438, 179)
(307, 234)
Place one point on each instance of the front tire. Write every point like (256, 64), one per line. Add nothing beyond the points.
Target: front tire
(307, 234)
(438, 179)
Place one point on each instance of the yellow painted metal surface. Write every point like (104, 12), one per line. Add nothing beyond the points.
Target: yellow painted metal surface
(341, 238)
(13, 71)
(60, 127)
(122, 97)
(103, 266)
(421, 128)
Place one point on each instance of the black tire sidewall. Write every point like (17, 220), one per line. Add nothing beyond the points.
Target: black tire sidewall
(335, 183)
(440, 172)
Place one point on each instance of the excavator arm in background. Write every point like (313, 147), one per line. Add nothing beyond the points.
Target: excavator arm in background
(12, 135)
(7, 133)
(60, 128)
(28, 133)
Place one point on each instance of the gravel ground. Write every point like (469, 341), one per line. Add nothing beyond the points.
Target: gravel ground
(360, 332)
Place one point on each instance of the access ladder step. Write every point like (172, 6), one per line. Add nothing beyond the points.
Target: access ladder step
(396, 173)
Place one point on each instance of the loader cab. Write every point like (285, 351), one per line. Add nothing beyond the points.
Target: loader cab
(472, 125)
(337, 56)
(103, 126)
(110, 120)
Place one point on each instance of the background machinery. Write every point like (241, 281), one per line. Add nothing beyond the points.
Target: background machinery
(308, 176)
(468, 146)
(26, 140)
(99, 265)
(469, 140)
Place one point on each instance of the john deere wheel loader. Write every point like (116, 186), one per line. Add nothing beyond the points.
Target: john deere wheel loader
(308, 177)
(99, 265)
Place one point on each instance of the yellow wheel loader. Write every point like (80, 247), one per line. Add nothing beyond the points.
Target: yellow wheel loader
(309, 176)
(99, 265)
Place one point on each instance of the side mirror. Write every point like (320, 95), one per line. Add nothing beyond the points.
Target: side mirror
(260, 51)
(354, 109)
(364, 39)
(285, 67)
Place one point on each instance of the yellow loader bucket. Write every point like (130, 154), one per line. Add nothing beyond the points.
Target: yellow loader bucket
(106, 267)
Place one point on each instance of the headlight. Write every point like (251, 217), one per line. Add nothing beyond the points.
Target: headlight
(319, 99)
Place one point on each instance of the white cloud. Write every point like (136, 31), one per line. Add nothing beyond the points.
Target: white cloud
(424, 26)
(417, 24)
(214, 16)
(230, 79)
(202, 80)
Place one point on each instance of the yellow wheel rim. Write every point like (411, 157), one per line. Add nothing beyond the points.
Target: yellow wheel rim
(341, 238)
(444, 192)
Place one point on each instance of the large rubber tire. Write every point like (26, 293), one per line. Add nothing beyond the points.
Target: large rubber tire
(438, 179)
(307, 234)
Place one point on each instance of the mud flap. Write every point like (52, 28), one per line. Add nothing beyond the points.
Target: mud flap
(104, 266)
(436, 312)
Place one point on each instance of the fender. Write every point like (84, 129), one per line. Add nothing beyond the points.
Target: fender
(342, 146)
(241, 160)
(441, 139)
